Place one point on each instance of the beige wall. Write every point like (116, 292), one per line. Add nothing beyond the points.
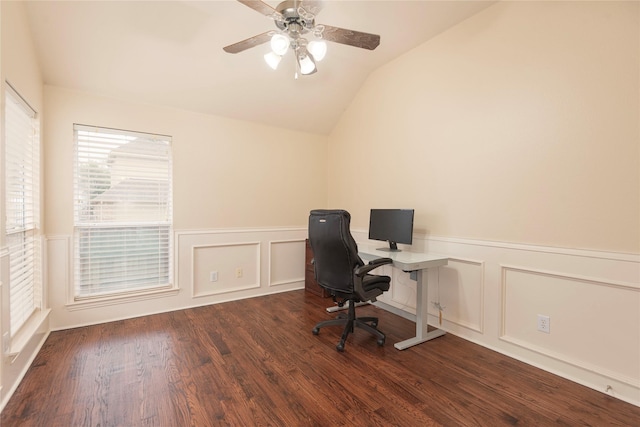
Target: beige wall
(518, 125)
(227, 173)
(19, 58)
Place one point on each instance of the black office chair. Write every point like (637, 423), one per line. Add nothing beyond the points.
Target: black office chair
(339, 269)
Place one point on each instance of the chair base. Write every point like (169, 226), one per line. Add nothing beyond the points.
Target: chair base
(350, 322)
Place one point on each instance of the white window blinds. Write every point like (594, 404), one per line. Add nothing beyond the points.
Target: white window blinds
(122, 211)
(22, 155)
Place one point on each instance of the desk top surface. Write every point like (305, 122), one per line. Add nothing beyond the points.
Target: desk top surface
(405, 260)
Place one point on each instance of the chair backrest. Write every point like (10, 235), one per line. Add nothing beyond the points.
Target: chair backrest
(335, 253)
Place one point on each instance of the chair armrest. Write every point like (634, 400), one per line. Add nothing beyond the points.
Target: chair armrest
(373, 264)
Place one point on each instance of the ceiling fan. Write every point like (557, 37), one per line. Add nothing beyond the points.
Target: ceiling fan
(295, 19)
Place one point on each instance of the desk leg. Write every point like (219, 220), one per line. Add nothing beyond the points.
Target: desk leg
(422, 305)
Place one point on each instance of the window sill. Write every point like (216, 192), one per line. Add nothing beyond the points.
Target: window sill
(119, 299)
(19, 341)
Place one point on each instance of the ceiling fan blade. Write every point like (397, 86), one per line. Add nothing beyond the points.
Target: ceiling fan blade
(259, 6)
(248, 43)
(351, 37)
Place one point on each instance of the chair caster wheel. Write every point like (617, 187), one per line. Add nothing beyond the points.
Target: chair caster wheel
(340, 347)
(381, 342)
(315, 331)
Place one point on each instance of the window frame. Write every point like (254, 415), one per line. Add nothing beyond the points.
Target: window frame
(83, 223)
(21, 191)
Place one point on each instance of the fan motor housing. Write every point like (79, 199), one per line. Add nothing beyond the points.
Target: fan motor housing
(292, 21)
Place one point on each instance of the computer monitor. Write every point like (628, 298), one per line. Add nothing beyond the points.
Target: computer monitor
(391, 225)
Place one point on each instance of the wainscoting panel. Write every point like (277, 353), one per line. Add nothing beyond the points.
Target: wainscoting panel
(234, 267)
(459, 289)
(587, 320)
(286, 262)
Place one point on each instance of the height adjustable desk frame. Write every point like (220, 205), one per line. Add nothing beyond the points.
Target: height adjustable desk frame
(416, 264)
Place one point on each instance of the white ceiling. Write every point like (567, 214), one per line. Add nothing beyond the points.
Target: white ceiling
(170, 53)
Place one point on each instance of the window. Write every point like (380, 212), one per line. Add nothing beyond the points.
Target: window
(122, 212)
(22, 164)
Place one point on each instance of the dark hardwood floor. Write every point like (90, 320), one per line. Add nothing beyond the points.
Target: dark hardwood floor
(256, 362)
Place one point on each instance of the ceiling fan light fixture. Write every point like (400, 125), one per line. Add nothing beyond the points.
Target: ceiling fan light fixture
(295, 21)
(273, 59)
(280, 44)
(317, 48)
(306, 63)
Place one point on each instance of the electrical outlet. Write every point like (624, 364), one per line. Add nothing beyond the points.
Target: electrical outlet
(238, 272)
(213, 276)
(544, 324)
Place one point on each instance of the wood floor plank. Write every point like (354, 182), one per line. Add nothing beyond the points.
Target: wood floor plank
(256, 363)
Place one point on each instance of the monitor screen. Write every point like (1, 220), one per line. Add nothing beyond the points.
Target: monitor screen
(391, 225)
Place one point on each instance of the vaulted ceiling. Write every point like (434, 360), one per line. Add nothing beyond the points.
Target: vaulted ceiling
(170, 53)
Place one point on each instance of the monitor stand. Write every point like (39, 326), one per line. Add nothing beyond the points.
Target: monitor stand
(393, 247)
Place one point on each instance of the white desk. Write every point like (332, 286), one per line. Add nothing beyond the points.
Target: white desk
(411, 262)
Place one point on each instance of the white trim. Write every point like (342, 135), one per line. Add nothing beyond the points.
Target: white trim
(545, 367)
(285, 282)
(7, 396)
(26, 333)
(599, 370)
(69, 268)
(201, 231)
(14, 92)
(592, 280)
(151, 313)
(585, 253)
(138, 295)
